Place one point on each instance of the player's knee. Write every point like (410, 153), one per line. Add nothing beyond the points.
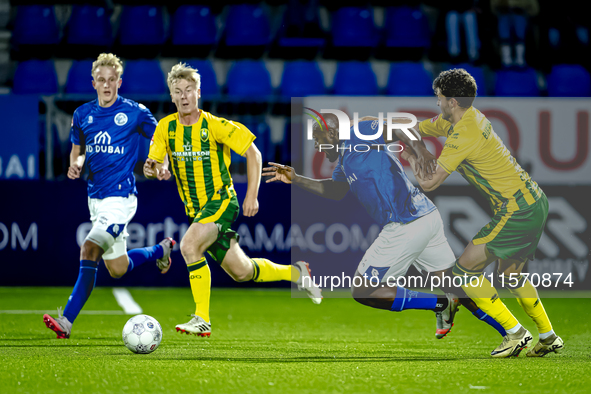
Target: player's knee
(189, 249)
(117, 272)
(90, 251)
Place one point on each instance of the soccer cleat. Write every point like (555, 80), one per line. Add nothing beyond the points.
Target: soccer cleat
(544, 346)
(61, 326)
(445, 318)
(314, 292)
(165, 262)
(196, 326)
(513, 344)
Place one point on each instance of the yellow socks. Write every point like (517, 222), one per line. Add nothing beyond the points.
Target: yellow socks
(485, 296)
(267, 271)
(200, 278)
(528, 298)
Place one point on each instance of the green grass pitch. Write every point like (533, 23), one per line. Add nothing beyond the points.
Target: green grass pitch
(264, 341)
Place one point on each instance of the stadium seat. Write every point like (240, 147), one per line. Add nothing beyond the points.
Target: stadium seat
(517, 83)
(409, 79)
(247, 25)
(209, 84)
(302, 78)
(249, 78)
(141, 31)
(36, 33)
(193, 25)
(35, 77)
(80, 78)
(143, 77)
(35, 25)
(355, 79)
(89, 25)
(353, 27)
(406, 27)
(569, 80)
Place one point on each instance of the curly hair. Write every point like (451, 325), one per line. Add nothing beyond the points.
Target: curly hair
(108, 60)
(456, 83)
(183, 71)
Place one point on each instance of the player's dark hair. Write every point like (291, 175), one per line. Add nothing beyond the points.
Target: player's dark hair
(456, 83)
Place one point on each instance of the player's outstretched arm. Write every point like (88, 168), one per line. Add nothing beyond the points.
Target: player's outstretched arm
(151, 168)
(327, 188)
(76, 162)
(254, 163)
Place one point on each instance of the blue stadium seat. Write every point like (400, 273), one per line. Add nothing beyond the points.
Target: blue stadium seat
(517, 83)
(249, 78)
(193, 25)
(209, 84)
(143, 77)
(35, 25)
(247, 25)
(353, 27)
(302, 78)
(409, 79)
(80, 78)
(569, 80)
(355, 79)
(35, 77)
(141, 25)
(89, 25)
(406, 27)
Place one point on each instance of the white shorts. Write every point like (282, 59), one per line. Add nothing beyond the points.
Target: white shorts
(421, 243)
(112, 214)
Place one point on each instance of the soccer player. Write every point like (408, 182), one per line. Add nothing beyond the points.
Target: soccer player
(412, 231)
(198, 144)
(106, 134)
(519, 205)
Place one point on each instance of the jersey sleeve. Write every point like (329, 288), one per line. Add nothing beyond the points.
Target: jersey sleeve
(233, 134)
(158, 144)
(146, 122)
(75, 130)
(434, 127)
(457, 149)
(338, 175)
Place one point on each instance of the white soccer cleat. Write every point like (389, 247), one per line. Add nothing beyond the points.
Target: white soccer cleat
(544, 346)
(306, 282)
(445, 318)
(513, 344)
(61, 326)
(196, 326)
(165, 262)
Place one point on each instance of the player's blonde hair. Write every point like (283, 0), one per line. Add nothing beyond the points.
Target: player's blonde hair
(183, 71)
(108, 60)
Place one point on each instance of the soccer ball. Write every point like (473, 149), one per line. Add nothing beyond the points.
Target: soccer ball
(142, 334)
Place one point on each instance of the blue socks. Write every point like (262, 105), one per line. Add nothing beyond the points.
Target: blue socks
(409, 299)
(139, 256)
(82, 289)
(489, 320)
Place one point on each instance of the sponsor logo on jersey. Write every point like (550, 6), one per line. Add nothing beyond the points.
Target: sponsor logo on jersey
(120, 119)
(204, 135)
(90, 119)
(102, 144)
(171, 134)
(433, 119)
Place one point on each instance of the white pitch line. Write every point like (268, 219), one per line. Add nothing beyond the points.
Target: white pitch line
(126, 301)
(39, 312)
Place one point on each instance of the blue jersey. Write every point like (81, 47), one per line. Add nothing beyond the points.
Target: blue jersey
(378, 179)
(111, 137)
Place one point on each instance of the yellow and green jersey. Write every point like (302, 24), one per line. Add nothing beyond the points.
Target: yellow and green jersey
(200, 156)
(475, 151)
